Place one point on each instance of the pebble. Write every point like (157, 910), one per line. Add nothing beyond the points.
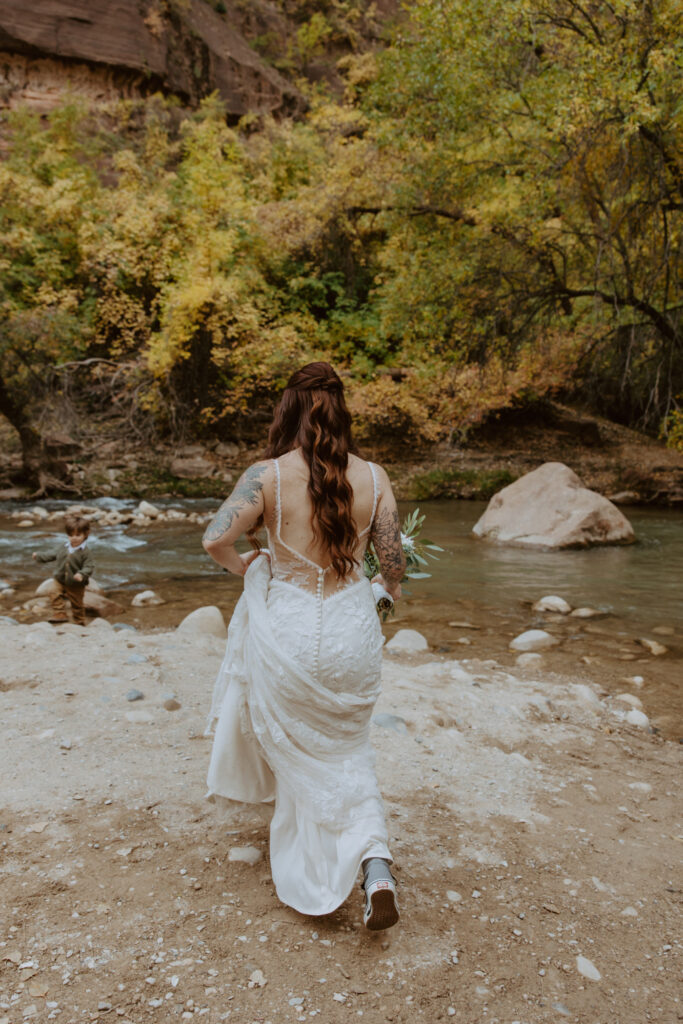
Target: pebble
(533, 640)
(587, 969)
(586, 696)
(146, 598)
(664, 631)
(453, 897)
(585, 613)
(387, 721)
(630, 698)
(638, 718)
(553, 603)
(257, 979)
(119, 626)
(135, 695)
(629, 912)
(136, 659)
(636, 681)
(245, 854)
(640, 787)
(171, 704)
(561, 1008)
(65, 745)
(140, 717)
(145, 508)
(529, 660)
(653, 646)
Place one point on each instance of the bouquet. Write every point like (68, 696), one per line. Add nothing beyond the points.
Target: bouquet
(416, 550)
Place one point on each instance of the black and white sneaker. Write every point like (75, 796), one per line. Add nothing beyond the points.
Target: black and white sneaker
(381, 906)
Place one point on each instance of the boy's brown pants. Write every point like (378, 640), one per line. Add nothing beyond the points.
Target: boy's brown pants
(74, 593)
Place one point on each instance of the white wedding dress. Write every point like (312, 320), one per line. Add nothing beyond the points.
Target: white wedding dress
(291, 709)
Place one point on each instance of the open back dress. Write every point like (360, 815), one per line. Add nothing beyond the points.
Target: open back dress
(292, 708)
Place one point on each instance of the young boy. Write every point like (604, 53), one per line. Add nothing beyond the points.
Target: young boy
(73, 570)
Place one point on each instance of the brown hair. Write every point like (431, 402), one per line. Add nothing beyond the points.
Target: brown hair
(76, 524)
(312, 415)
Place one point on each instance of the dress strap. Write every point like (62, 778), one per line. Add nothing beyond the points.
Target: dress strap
(375, 492)
(278, 503)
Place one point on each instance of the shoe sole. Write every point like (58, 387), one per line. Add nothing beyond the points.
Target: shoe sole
(383, 910)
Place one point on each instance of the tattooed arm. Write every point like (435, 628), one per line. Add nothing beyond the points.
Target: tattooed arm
(235, 516)
(386, 537)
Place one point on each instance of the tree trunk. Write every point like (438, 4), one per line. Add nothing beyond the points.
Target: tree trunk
(39, 469)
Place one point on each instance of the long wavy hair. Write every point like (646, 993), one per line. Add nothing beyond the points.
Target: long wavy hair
(312, 415)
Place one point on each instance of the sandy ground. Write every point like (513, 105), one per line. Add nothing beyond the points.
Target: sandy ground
(531, 827)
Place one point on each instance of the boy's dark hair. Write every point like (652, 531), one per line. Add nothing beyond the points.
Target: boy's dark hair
(76, 524)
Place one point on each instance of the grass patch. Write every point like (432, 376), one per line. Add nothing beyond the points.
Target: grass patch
(459, 483)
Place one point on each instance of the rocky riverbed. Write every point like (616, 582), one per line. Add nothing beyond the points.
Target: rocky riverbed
(533, 827)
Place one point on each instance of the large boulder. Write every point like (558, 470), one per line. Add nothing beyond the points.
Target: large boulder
(550, 508)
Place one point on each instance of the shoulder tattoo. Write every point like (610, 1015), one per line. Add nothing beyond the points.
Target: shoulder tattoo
(246, 493)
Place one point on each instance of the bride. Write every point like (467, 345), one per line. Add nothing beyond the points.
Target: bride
(301, 673)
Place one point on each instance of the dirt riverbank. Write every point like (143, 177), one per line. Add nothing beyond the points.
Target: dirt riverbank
(533, 830)
(616, 461)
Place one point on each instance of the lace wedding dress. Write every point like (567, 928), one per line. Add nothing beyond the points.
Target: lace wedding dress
(291, 709)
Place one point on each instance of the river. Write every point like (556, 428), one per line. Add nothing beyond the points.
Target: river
(639, 587)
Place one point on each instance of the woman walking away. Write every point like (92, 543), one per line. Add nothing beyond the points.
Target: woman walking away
(301, 674)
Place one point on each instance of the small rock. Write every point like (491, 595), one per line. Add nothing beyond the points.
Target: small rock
(664, 631)
(587, 969)
(227, 450)
(552, 603)
(245, 854)
(120, 626)
(529, 660)
(145, 508)
(638, 718)
(533, 640)
(629, 912)
(135, 695)
(136, 659)
(257, 979)
(146, 598)
(140, 717)
(171, 704)
(562, 1009)
(24, 524)
(653, 646)
(463, 625)
(630, 698)
(640, 787)
(7, 620)
(637, 681)
(586, 613)
(387, 721)
(206, 621)
(192, 467)
(65, 745)
(453, 897)
(47, 587)
(101, 625)
(586, 696)
(407, 640)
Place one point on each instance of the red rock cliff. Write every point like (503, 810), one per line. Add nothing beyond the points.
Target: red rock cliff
(106, 48)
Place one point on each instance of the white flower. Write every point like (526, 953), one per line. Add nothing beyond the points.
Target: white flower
(407, 543)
